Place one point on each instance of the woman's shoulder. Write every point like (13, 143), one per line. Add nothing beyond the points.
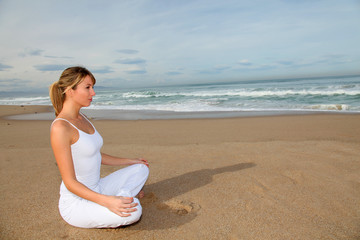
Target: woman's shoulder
(62, 132)
(60, 125)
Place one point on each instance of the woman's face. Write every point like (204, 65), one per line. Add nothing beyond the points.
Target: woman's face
(84, 92)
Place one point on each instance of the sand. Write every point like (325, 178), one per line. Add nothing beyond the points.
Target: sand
(274, 177)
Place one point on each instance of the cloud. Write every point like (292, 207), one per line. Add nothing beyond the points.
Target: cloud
(57, 57)
(286, 63)
(128, 51)
(245, 62)
(139, 71)
(51, 67)
(173, 73)
(130, 61)
(120, 82)
(245, 66)
(333, 59)
(209, 71)
(111, 82)
(13, 84)
(100, 70)
(221, 67)
(330, 59)
(4, 67)
(31, 52)
(217, 69)
(12, 81)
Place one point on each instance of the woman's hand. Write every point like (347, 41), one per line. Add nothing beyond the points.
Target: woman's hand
(122, 206)
(140, 161)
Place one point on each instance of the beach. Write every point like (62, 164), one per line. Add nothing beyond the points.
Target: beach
(259, 177)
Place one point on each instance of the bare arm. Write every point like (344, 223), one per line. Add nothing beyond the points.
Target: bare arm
(116, 161)
(62, 136)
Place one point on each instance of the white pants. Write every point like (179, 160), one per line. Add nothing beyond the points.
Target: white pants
(126, 182)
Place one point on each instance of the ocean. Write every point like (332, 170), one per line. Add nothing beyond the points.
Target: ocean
(327, 94)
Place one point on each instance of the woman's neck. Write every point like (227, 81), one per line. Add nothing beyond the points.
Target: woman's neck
(70, 111)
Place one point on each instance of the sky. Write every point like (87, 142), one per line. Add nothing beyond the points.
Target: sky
(140, 43)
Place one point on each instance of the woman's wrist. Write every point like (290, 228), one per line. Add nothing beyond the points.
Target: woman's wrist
(103, 200)
(140, 161)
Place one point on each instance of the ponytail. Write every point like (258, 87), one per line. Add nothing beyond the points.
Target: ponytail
(57, 97)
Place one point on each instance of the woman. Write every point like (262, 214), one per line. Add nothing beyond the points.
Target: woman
(86, 200)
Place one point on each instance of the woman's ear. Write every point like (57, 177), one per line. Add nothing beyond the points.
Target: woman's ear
(70, 92)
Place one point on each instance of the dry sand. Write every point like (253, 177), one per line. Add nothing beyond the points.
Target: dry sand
(279, 177)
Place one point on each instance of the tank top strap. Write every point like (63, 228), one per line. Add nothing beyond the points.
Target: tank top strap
(56, 119)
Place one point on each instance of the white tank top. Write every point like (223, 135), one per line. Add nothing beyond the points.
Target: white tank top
(86, 158)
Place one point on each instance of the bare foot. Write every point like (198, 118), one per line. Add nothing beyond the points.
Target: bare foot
(140, 195)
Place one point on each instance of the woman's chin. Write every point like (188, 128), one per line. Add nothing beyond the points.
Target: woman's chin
(87, 105)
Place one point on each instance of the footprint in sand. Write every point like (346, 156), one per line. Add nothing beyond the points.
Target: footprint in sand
(180, 207)
(295, 176)
(262, 195)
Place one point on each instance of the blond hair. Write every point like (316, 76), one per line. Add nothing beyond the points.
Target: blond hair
(69, 79)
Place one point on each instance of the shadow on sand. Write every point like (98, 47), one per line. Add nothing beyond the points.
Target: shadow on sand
(160, 201)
